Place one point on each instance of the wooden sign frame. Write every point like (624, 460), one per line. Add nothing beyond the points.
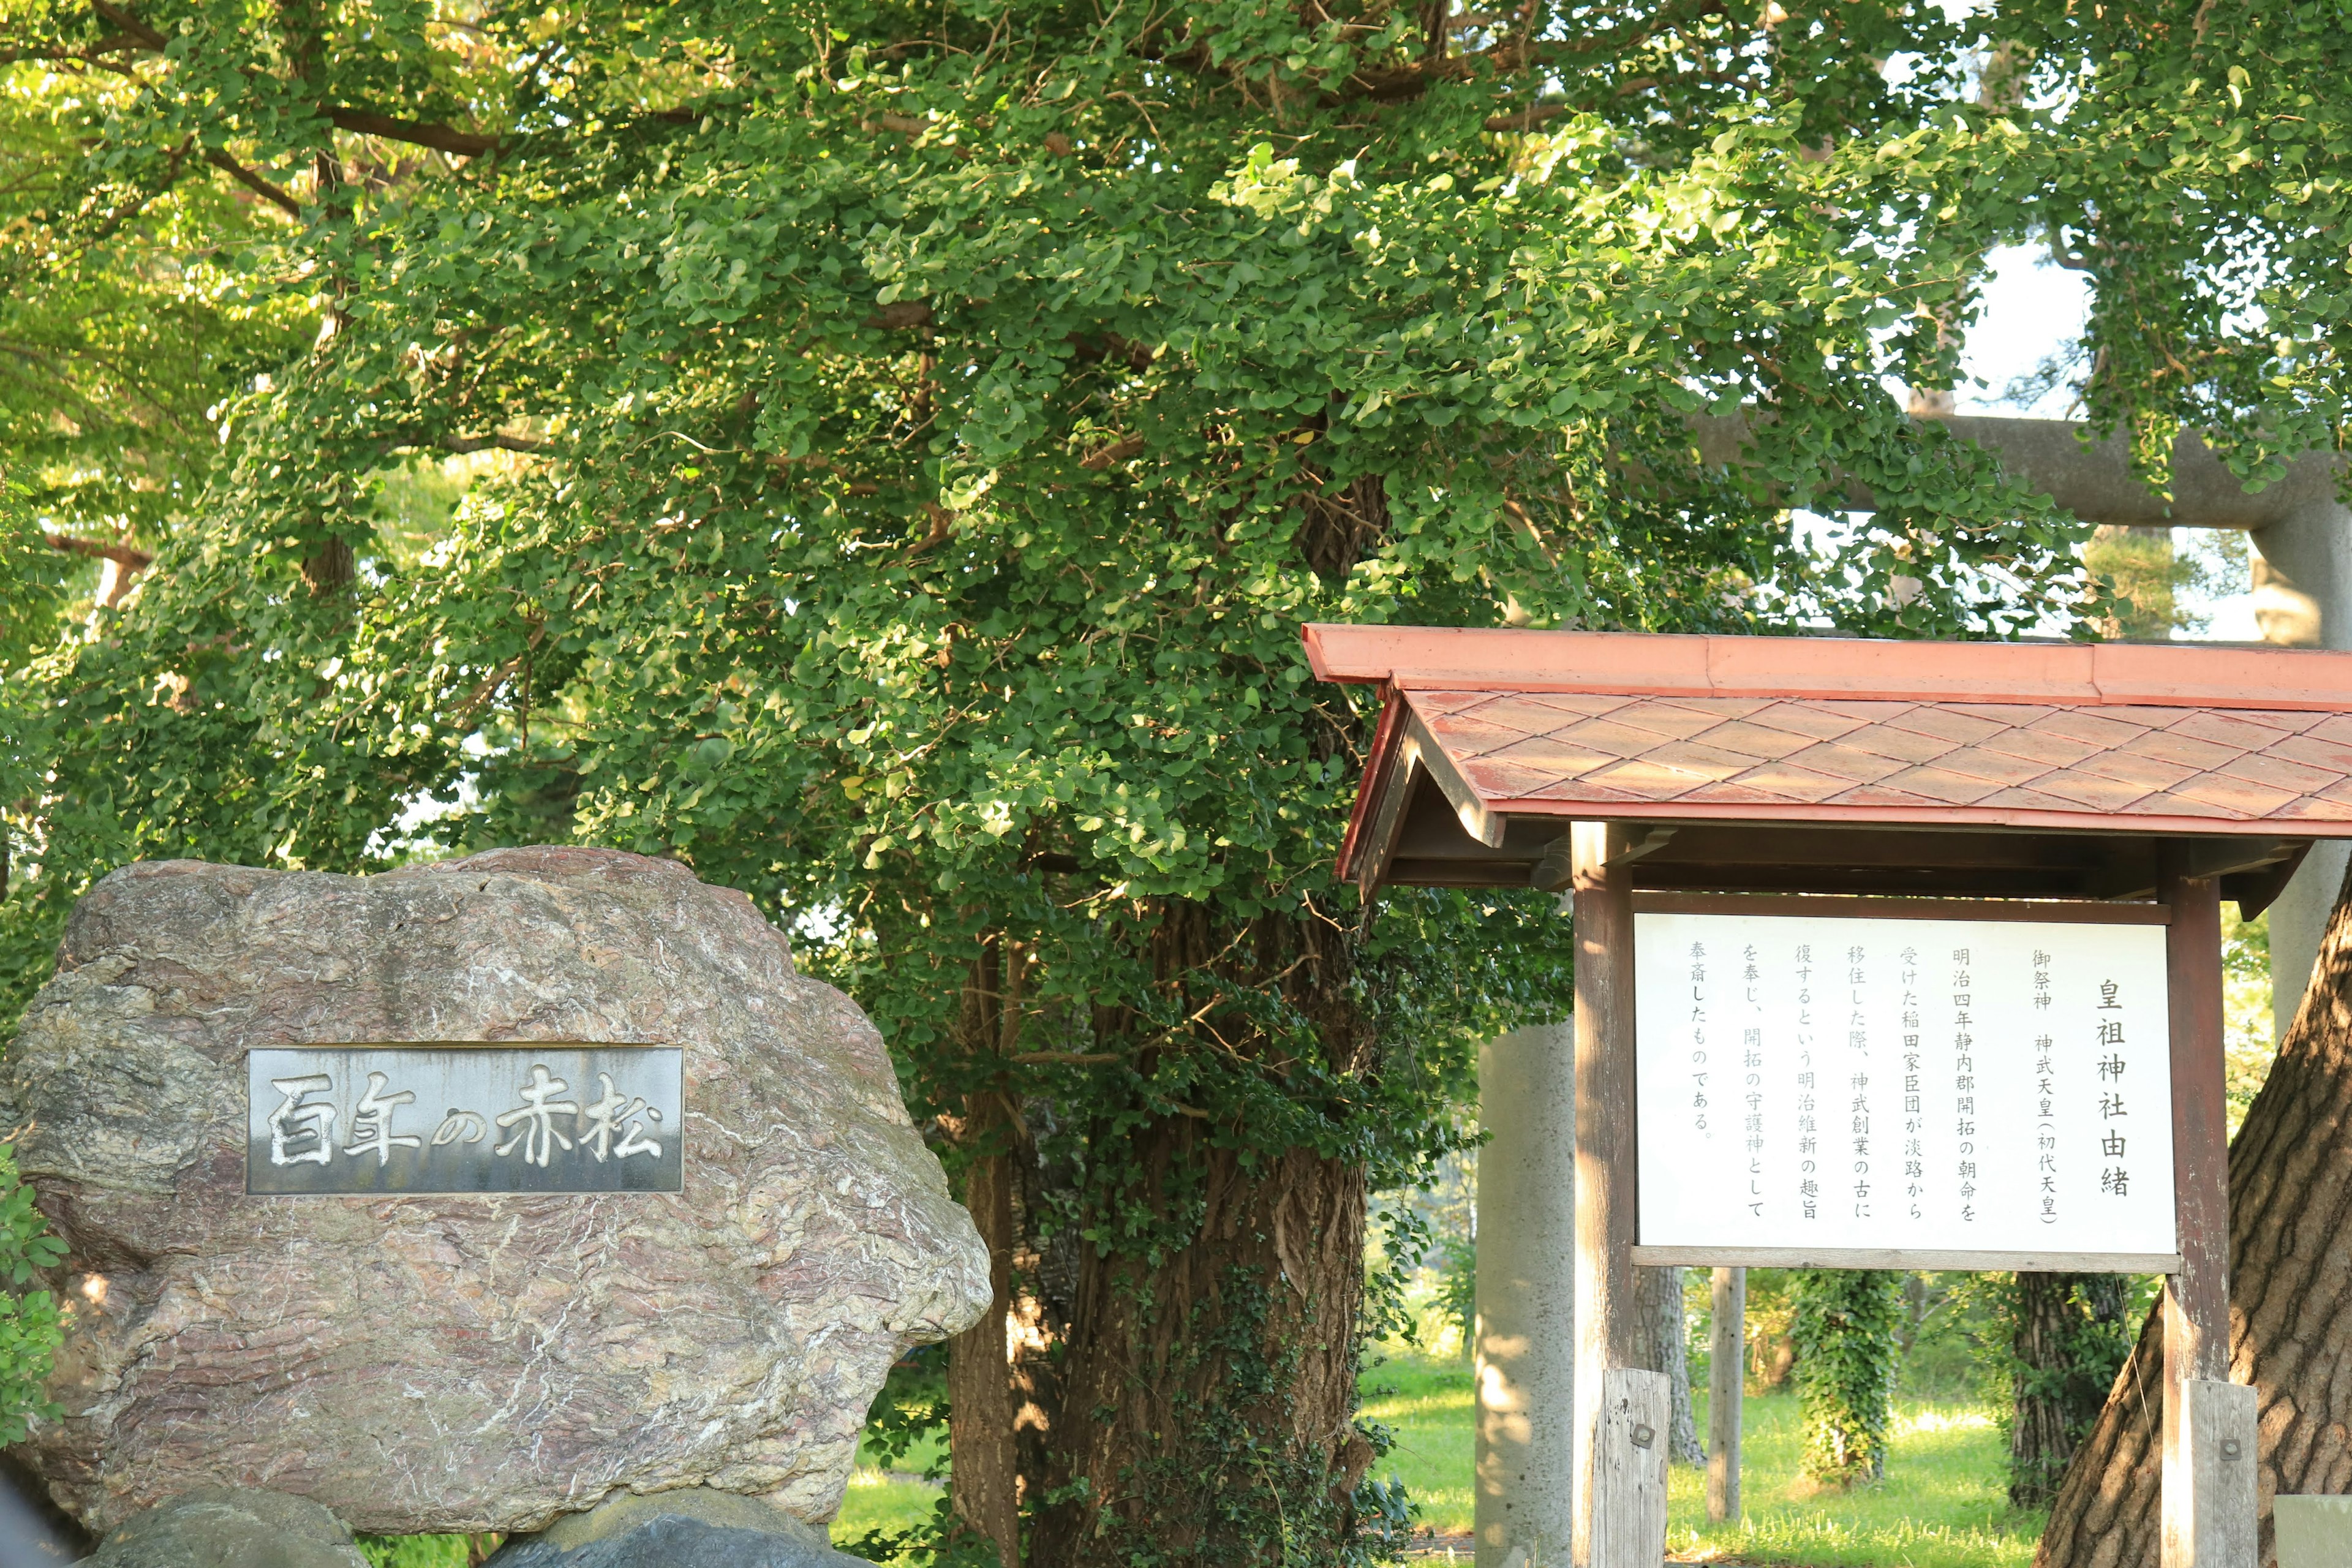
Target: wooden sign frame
(2044, 911)
(2166, 775)
(2195, 1293)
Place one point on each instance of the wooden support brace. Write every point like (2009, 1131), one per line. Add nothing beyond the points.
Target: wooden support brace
(1725, 1389)
(2210, 1502)
(1602, 910)
(2203, 1478)
(1629, 1470)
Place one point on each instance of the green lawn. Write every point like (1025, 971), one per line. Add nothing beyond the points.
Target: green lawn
(1941, 1505)
(892, 1500)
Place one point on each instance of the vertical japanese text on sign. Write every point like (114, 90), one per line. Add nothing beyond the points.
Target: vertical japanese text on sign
(2015, 1140)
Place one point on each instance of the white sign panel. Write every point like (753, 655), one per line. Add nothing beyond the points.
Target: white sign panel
(1828, 1083)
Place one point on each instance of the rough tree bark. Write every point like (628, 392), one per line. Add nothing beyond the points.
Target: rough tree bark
(330, 568)
(999, 1395)
(1247, 1334)
(2064, 1367)
(1182, 1401)
(2290, 1313)
(1662, 1345)
(983, 1473)
(1191, 1396)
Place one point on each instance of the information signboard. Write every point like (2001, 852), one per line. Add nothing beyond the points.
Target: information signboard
(1825, 1085)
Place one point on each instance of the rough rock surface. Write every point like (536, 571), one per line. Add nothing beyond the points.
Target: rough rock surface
(218, 1527)
(667, 1540)
(626, 1510)
(692, 1525)
(467, 1362)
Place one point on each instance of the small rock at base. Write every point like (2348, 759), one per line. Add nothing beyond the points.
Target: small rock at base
(671, 1541)
(226, 1527)
(619, 1512)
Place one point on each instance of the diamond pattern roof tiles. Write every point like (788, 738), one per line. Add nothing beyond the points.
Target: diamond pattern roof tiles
(2041, 738)
(2320, 751)
(1836, 758)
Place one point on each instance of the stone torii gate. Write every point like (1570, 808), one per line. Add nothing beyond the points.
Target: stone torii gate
(2302, 538)
(2109, 833)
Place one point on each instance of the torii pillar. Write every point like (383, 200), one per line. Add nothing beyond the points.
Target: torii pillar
(1523, 1340)
(2303, 598)
(2302, 535)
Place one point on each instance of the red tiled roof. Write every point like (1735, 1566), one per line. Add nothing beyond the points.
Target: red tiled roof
(2071, 675)
(2146, 739)
(1895, 762)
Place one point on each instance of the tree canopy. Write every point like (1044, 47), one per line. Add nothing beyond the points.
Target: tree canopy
(908, 438)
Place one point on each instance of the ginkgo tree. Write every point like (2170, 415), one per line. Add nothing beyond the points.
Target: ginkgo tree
(920, 432)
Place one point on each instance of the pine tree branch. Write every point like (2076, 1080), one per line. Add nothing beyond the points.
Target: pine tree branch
(493, 442)
(130, 25)
(362, 121)
(1525, 118)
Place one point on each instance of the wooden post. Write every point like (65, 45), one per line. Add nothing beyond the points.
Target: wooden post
(1629, 1468)
(2196, 1300)
(1727, 1381)
(2219, 1519)
(1602, 908)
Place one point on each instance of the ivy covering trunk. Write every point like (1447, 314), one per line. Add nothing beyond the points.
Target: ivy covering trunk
(2068, 1339)
(1847, 1328)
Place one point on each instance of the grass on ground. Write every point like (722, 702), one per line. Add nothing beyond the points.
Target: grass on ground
(1942, 1505)
(892, 1500)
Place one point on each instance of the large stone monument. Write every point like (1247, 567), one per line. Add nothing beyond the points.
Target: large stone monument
(459, 1198)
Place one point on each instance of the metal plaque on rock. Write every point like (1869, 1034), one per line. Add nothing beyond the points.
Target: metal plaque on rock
(541, 1118)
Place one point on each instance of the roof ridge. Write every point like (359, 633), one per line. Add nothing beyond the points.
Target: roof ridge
(1639, 664)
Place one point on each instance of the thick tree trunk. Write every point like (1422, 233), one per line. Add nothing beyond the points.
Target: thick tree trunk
(1211, 1399)
(2290, 1314)
(984, 1463)
(1185, 1387)
(1662, 1345)
(2066, 1325)
(2039, 1443)
(330, 568)
(1000, 1396)
(1846, 1325)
